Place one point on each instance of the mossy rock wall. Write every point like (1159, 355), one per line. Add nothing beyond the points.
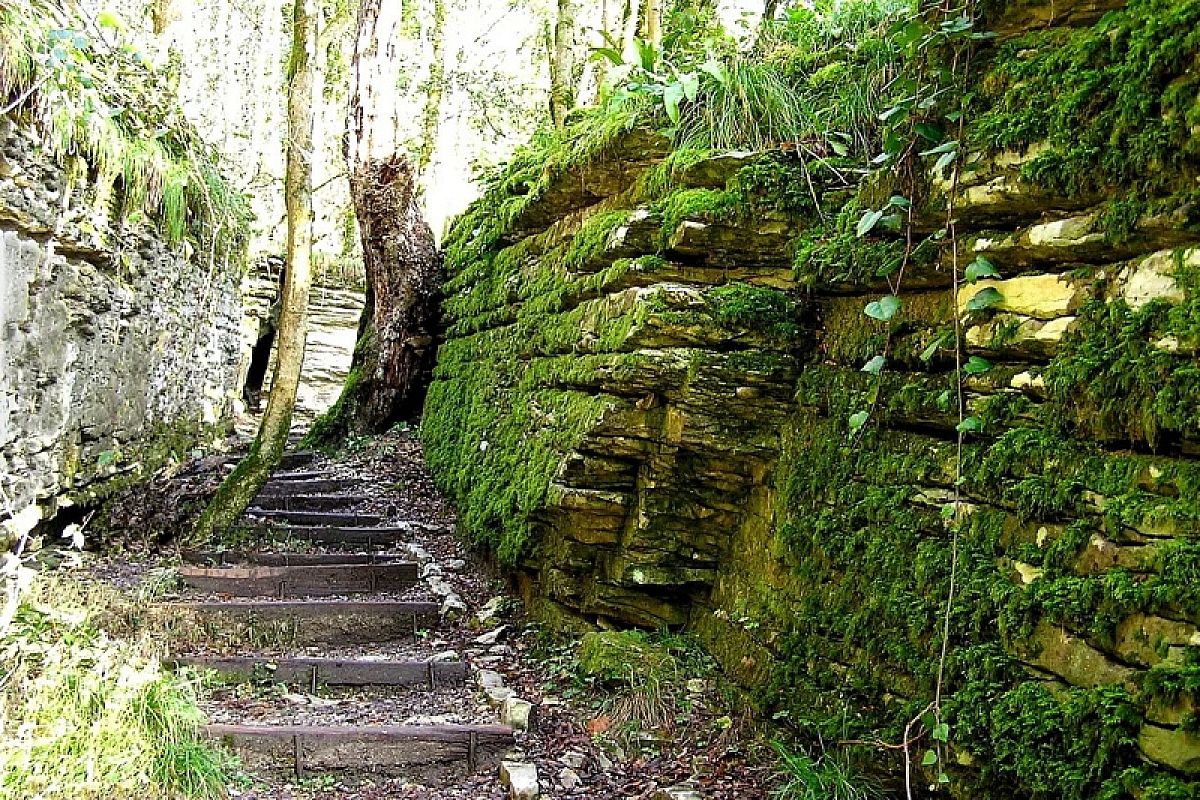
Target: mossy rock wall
(643, 406)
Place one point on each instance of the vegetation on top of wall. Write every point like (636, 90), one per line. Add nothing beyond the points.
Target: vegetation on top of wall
(98, 99)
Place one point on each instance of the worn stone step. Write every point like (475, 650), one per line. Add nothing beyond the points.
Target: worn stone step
(215, 558)
(310, 502)
(300, 580)
(290, 486)
(290, 623)
(408, 750)
(301, 475)
(338, 518)
(297, 459)
(315, 671)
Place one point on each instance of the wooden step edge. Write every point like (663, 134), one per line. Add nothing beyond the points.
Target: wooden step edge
(339, 518)
(314, 671)
(324, 607)
(236, 557)
(407, 750)
(301, 580)
(446, 732)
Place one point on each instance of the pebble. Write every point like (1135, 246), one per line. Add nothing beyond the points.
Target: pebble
(488, 678)
(521, 780)
(569, 779)
(491, 637)
(445, 655)
(680, 792)
(575, 760)
(516, 713)
(456, 565)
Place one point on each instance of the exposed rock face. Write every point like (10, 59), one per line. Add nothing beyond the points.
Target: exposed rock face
(637, 408)
(114, 348)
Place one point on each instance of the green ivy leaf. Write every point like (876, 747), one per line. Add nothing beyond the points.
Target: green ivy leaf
(929, 759)
(884, 308)
(944, 161)
(691, 85)
(108, 19)
(970, 425)
(868, 221)
(929, 131)
(976, 365)
(899, 201)
(858, 419)
(941, 732)
(980, 268)
(984, 299)
(943, 400)
(947, 511)
(875, 365)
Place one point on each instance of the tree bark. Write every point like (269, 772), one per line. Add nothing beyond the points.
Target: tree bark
(240, 488)
(652, 24)
(393, 360)
(562, 66)
(435, 88)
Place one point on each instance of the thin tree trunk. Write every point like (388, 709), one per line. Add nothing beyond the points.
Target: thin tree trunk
(247, 479)
(631, 22)
(393, 360)
(562, 67)
(652, 24)
(435, 88)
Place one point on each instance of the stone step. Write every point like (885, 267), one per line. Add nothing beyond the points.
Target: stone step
(368, 535)
(297, 459)
(289, 623)
(311, 672)
(302, 475)
(276, 487)
(338, 518)
(310, 502)
(409, 750)
(216, 558)
(301, 580)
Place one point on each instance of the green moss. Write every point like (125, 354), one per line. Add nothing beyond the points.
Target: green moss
(1113, 380)
(1115, 103)
(769, 310)
(705, 205)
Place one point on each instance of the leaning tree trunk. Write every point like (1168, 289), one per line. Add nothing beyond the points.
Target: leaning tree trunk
(393, 360)
(244, 483)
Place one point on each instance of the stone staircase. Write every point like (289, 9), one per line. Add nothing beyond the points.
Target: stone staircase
(328, 600)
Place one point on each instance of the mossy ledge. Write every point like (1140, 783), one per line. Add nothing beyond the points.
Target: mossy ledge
(642, 408)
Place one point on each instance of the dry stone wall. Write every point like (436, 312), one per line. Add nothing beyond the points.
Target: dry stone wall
(115, 349)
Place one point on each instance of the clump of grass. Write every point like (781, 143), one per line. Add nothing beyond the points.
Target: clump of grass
(803, 777)
(86, 715)
(644, 676)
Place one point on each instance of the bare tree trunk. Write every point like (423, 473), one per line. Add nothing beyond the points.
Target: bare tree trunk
(393, 360)
(562, 66)
(631, 23)
(652, 24)
(244, 483)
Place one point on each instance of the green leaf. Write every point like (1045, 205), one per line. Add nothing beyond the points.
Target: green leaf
(947, 511)
(980, 268)
(884, 308)
(108, 19)
(868, 221)
(673, 95)
(899, 201)
(858, 419)
(929, 352)
(875, 365)
(839, 148)
(717, 70)
(984, 299)
(945, 147)
(945, 160)
(929, 759)
(611, 53)
(941, 732)
(929, 131)
(943, 777)
(970, 425)
(943, 400)
(976, 365)
(691, 85)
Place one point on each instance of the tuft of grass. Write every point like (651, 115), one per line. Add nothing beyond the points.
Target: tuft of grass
(822, 778)
(86, 715)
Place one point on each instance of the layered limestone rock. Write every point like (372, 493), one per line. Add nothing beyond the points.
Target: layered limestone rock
(645, 397)
(115, 349)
